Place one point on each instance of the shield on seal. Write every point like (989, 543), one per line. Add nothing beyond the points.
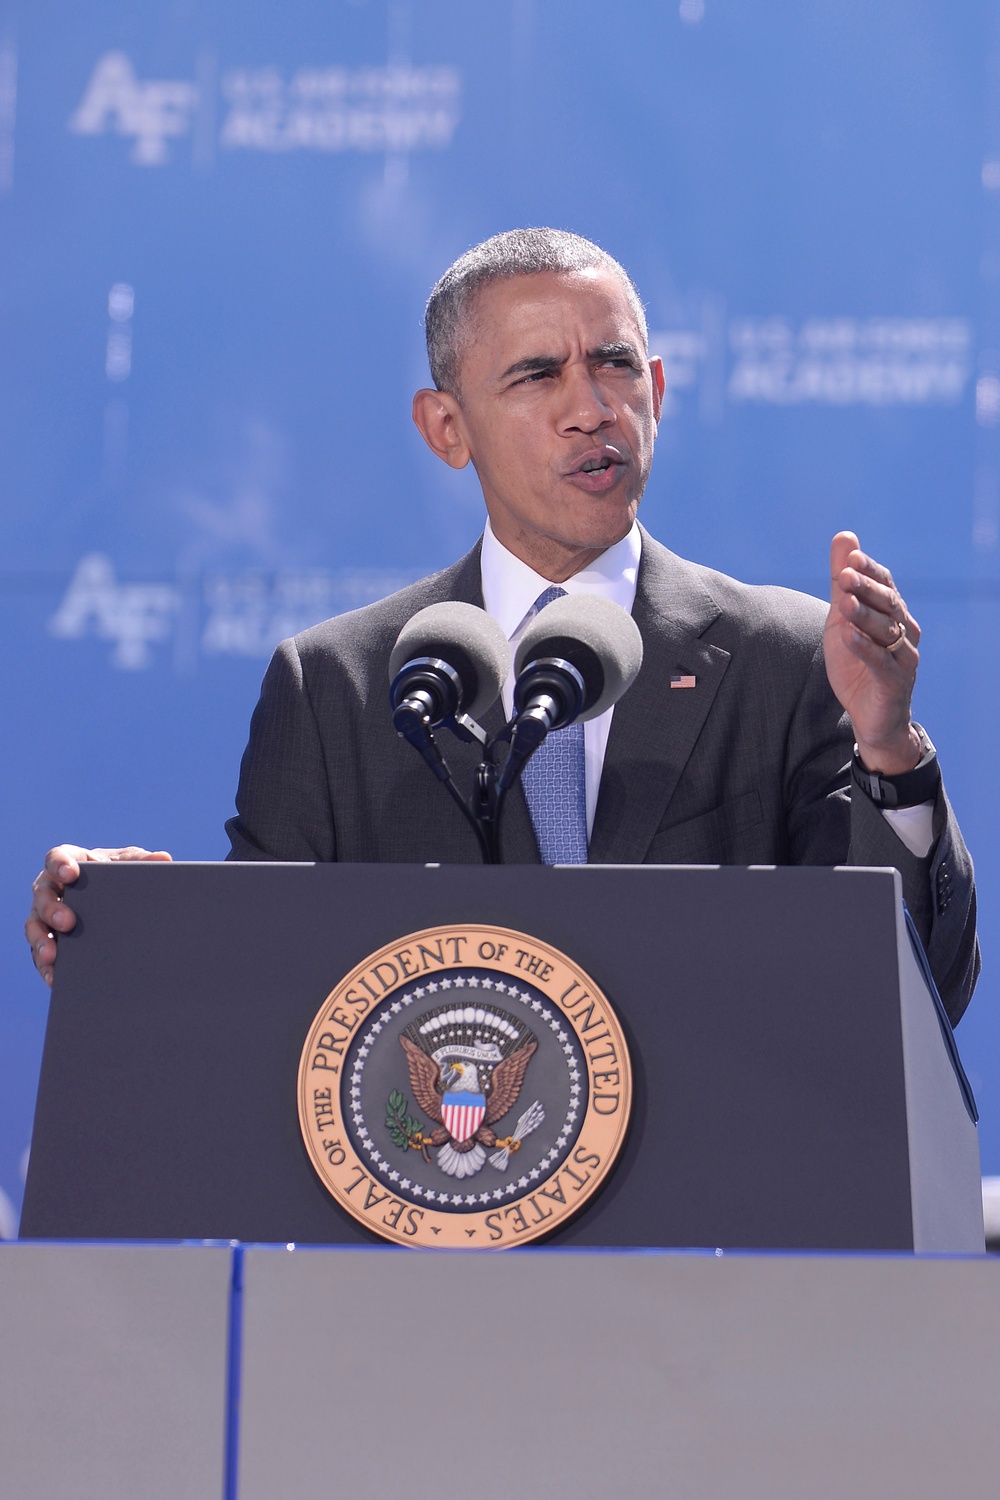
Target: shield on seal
(462, 1114)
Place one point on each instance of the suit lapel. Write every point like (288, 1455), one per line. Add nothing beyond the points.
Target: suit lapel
(655, 727)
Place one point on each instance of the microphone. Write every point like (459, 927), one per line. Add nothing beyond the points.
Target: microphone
(447, 667)
(449, 662)
(576, 658)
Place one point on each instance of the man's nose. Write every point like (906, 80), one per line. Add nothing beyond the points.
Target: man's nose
(585, 405)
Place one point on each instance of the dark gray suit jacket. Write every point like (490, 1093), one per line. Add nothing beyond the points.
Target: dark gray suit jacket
(751, 766)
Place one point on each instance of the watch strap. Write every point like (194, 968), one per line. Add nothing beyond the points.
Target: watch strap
(910, 788)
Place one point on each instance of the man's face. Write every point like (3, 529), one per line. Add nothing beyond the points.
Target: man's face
(558, 411)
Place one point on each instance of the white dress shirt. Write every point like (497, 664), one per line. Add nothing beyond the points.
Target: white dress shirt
(510, 588)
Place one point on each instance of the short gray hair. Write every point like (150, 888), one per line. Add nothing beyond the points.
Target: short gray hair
(517, 252)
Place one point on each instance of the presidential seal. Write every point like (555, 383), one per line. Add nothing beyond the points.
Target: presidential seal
(464, 1086)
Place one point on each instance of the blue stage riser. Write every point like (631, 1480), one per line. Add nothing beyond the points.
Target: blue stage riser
(367, 1372)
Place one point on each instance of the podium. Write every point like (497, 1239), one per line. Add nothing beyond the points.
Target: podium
(796, 1085)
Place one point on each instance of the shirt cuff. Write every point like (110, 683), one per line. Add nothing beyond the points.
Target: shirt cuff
(913, 826)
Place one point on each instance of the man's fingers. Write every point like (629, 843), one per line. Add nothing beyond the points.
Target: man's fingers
(62, 868)
(879, 615)
(897, 665)
(50, 910)
(843, 544)
(56, 914)
(130, 852)
(881, 623)
(41, 941)
(846, 554)
(63, 862)
(36, 932)
(869, 568)
(880, 593)
(870, 645)
(48, 903)
(43, 946)
(864, 593)
(49, 915)
(134, 852)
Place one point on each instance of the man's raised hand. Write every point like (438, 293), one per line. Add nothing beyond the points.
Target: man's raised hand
(49, 915)
(870, 643)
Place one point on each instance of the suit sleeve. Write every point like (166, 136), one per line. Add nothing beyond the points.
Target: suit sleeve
(283, 809)
(939, 891)
(831, 821)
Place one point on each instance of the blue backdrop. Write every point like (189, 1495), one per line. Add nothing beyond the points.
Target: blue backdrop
(218, 225)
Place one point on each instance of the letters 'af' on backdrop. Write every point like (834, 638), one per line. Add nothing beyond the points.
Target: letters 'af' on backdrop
(219, 225)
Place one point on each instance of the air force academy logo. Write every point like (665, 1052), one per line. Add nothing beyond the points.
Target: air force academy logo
(464, 1086)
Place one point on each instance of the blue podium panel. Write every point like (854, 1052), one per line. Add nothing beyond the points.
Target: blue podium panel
(114, 1371)
(592, 1374)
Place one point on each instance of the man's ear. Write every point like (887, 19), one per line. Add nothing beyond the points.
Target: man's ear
(438, 417)
(659, 384)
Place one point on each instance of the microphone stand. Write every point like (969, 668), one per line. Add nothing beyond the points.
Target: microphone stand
(416, 729)
(483, 808)
(546, 697)
(523, 734)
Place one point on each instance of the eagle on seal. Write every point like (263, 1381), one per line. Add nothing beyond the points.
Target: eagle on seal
(463, 1112)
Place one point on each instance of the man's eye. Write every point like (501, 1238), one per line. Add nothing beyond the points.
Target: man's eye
(534, 377)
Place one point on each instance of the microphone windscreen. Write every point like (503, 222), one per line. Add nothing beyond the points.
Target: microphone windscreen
(597, 636)
(468, 639)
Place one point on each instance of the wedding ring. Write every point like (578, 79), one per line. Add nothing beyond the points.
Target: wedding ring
(900, 638)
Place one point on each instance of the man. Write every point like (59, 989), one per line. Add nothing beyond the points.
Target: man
(734, 745)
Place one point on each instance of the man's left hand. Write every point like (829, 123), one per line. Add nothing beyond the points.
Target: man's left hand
(873, 683)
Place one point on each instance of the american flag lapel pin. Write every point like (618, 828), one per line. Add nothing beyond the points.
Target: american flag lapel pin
(683, 680)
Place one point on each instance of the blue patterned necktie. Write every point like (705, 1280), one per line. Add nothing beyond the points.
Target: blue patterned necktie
(555, 785)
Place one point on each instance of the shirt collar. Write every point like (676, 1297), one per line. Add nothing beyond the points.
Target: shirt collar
(510, 587)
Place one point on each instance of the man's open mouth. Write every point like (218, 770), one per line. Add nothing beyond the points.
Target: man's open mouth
(598, 462)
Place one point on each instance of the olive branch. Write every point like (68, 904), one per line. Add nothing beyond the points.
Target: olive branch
(405, 1130)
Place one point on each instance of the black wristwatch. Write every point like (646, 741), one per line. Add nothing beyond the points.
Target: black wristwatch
(908, 790)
